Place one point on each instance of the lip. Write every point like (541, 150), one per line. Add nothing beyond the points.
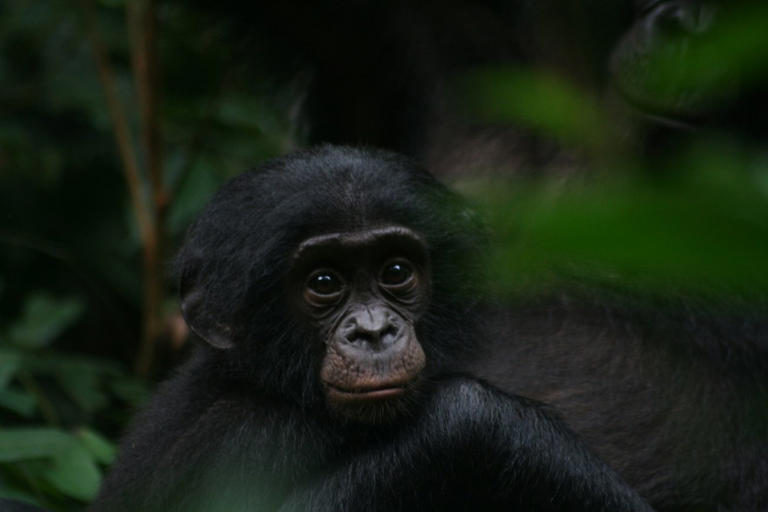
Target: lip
(377, 393)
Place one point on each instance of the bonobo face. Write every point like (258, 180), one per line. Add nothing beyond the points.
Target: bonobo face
(654, 64)
(364, 291)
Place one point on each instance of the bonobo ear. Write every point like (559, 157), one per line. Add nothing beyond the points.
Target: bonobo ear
(199, 319)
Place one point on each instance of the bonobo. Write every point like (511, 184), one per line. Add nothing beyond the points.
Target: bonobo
(337, 292)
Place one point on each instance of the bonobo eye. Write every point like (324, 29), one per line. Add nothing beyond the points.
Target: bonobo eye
(396, 274)
(323, 287)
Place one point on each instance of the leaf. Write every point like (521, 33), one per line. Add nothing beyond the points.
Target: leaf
(83, 387)
(75, 473)
(9, 363)
(541, 101)
(27, 443)
(73, 469)
(130, 390)
(683, 232)
(15, 494)
(21, 403)
(44, 318)
(196, 189)
(101, 448)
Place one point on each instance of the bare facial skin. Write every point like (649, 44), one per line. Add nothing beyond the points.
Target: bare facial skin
(365, 291)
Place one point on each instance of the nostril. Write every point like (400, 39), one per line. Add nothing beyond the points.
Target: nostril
(358, 336)
(389, 335)
(389, 332)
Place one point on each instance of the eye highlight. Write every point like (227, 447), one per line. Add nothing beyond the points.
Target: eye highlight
(396, 273)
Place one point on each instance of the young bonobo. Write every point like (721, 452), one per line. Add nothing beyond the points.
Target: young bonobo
(336, 292)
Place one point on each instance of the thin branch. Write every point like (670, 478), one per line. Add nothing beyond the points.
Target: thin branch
(141, 19)
(149, 210)
(142, 27)
(119, 122)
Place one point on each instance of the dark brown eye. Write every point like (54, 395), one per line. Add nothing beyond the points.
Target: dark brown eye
(324, 282)
(396, 273)
(323, 288)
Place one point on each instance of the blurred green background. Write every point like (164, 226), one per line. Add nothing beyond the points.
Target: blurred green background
(594, 151)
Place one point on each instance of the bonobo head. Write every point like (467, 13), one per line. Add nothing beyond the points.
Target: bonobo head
(666, 65)
(336, 278)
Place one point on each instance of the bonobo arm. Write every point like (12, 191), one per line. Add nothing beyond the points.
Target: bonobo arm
(473, 446)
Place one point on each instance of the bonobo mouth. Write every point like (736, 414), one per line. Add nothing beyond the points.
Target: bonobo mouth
(380, 392)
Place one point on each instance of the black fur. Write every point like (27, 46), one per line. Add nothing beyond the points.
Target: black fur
(670, 392)
(7, 505)
(247, 427)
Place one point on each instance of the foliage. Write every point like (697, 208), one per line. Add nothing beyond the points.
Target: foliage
(701, 228)
(70, 251)
(59, 465)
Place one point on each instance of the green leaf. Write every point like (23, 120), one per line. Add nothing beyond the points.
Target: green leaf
(9, 363)
(15, 494)
(44, 318)
(130, 390)
(683, 232)
(18, 402)
(83, 387)
(75, 473)
(101, 448)
(196, 189)
(26, 443)
(537, 99)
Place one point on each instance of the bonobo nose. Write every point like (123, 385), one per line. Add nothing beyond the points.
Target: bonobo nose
(375, 326)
